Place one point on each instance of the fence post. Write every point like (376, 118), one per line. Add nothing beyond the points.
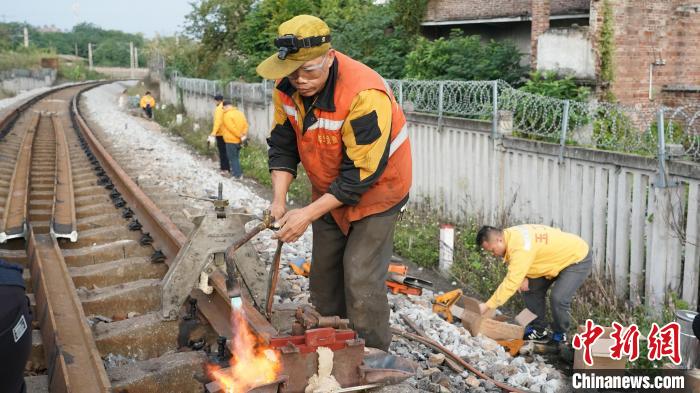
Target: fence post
(401, 92)
(441, 97)
(661, 144)
(494, 120)
(564, 129)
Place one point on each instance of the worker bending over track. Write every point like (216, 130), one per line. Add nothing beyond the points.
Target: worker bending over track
(340, 119)
(538, 257)
(147, 103)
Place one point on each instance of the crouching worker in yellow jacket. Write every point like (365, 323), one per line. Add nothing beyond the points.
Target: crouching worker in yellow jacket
(147, 103)
(235, 130)
(538, 257)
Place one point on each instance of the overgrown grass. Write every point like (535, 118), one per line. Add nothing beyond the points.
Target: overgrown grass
(29, 58)
(77, 72)
(253, 156)
(417, 238)
(6, 94)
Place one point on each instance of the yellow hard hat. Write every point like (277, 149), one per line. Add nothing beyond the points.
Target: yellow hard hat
(300, 39)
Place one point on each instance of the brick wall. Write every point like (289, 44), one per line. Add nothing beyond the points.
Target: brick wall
(441, 10)
(540, 24)
(644, 32)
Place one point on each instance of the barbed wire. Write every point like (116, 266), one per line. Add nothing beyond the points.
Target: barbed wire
(594, 124)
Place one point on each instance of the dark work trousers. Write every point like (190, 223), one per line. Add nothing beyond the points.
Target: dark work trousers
(233, 151)
(223, 157)
(15, 338)
(149, 111)
(564, 286)
(348, 273)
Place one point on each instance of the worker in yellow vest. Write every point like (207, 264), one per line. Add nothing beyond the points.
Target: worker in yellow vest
(234, 129)
(538, 257)
(147, 103)
(340, 119)
(216, 135)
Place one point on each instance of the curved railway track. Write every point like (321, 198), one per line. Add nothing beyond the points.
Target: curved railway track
(95, 248)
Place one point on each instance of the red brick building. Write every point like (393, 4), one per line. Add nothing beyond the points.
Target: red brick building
(658, 36)
(507, 19)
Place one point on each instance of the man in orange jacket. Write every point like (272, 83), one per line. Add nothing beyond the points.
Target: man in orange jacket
(340, 119)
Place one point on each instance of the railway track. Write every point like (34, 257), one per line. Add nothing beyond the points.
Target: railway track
(95, 248)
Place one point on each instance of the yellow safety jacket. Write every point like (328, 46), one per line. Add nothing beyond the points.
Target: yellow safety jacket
(218, 118)
(352, 140)
(535, 251)
(233, 125)
(147, 100)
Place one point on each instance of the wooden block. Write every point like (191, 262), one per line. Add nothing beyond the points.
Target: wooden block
(525, 317)
(486, 325)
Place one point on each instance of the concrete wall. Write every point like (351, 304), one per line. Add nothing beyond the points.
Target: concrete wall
(567, 51)
(644, 236)
(123, 72)
(16, 81)
(16, 85)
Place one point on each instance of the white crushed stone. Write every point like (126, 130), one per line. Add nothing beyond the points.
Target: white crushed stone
(23, 95)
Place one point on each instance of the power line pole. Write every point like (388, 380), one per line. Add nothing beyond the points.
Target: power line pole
(131, 59)
(90, 54)
(136, 57)
(26, 37)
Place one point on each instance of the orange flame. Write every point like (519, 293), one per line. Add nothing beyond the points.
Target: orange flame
(252, 363)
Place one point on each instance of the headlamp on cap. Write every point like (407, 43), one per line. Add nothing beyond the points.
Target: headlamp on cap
(289, 43)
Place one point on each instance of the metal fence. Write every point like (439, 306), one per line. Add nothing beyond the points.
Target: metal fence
(595, 124)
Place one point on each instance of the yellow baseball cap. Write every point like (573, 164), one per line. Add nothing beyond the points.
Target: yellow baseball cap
(300, 39)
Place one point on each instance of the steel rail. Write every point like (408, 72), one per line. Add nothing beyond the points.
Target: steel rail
(14, 219)
(63, 219)
(74, 364)
(167, 237)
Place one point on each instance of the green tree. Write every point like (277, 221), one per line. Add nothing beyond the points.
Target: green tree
(463, 57)
(551, 85)
(215, 23)
(111, 53)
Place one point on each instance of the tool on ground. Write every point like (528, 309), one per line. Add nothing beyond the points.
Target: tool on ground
(512, 346)
(400, 282)
(398, 279)
(442, 304)
(272, 281)
(397, 288)
(300, 266)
